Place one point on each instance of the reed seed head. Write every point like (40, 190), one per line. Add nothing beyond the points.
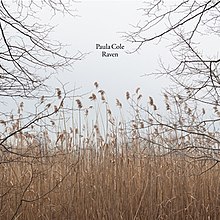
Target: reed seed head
(96, 85)
(79, 103)
(151, 100)
(127, 95)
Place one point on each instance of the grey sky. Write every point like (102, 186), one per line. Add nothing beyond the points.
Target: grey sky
(101, 22)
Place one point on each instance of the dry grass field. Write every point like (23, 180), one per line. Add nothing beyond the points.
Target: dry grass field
(102, 185)
(108, 172)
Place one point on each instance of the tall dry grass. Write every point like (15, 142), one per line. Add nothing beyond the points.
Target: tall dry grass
(106, 172)
(105, 186)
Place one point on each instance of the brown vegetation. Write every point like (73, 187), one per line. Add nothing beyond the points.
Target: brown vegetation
(102, 185)
(109, 171)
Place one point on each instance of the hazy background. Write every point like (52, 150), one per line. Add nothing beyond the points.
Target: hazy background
(100, 22)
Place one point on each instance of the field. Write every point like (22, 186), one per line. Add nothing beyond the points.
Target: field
(117, 170)
(106, 186)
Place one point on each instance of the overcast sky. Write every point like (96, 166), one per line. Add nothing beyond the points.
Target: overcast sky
(101, 22)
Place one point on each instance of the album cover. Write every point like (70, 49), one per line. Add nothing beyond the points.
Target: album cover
(109, 109)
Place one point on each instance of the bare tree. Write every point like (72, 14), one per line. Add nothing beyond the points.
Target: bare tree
(28, 57)
(26, 50)
(194, 101)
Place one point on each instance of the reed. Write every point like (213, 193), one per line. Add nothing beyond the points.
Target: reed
(105, 169)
